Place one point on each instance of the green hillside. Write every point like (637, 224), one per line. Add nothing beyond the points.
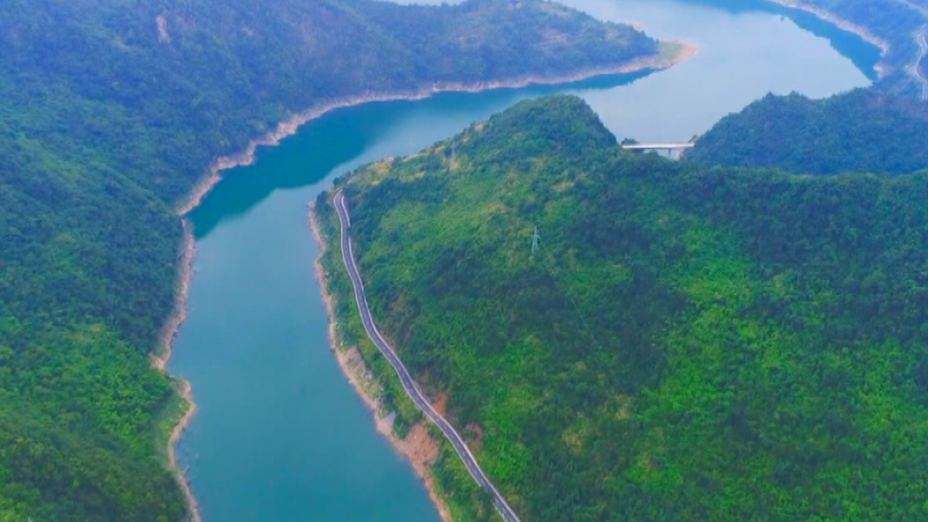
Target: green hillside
(861, 131)
(109, 113)
(689, 343)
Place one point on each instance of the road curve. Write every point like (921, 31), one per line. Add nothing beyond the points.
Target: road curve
(921, 38)
(405, 378)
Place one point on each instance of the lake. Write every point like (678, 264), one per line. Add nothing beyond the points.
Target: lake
(280, 434)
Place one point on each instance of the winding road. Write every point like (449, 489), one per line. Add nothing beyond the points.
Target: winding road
(921, 38)
(914, 70)
(409, 385)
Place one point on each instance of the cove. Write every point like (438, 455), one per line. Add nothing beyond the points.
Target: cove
(279, 433)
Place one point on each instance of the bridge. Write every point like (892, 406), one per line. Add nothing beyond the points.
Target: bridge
(674, 150)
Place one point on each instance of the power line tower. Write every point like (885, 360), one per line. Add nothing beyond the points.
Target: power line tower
(535, 238)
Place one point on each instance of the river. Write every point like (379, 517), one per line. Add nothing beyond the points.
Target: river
(279, 433)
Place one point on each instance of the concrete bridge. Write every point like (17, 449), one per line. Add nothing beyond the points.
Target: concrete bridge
(674, 150)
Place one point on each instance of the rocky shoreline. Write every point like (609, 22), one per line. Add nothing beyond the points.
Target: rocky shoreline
(160, 360)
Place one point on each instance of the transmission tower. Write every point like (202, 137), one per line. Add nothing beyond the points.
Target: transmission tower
(535, 238)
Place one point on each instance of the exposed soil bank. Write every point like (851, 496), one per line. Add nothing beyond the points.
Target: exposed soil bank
(160, 360)
(419, 447)
(845, 25)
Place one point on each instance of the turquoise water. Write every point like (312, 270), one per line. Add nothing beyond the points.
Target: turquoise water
(280, 434)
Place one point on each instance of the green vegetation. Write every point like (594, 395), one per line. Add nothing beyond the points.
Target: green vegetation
(862, 131)
(466, 501)
(109, 112)
(689, 343)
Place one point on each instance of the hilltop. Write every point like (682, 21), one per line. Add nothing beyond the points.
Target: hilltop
(689, 342)
(860, 131)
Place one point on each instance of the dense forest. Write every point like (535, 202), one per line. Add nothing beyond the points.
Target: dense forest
(863, 131)
(689, 342)
(109, 113)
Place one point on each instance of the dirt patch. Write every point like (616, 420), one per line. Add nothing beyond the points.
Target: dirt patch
(473, 436)
(420, 447)
(441, 404)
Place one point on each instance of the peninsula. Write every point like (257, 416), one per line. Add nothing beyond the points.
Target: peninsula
(685, 341)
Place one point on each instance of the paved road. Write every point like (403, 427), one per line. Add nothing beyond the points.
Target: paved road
(408, 383)
(921, 38)
(921, 10)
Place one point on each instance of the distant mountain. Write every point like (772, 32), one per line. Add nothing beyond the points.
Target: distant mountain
(688, 342)
(861, 131)
(109, 114)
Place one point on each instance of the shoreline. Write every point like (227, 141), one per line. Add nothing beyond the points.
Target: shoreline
(160, 360)
(845, 25)
(356, 371)
(290, 126)
(287, 128)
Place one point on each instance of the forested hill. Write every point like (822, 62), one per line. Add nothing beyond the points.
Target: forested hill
(109, 112)
(861, 131)
(688, 343)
